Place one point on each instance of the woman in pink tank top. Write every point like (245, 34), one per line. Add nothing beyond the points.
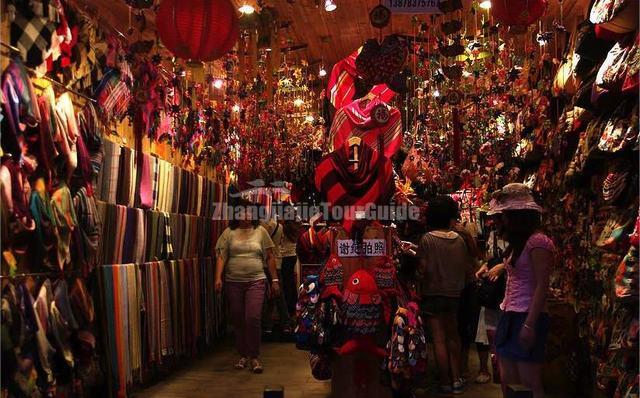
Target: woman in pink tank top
(523, 329)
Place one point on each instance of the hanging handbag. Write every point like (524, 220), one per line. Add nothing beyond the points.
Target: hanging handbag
(631, 80)
(620, 131)
(588, 45)
(491, 293)
(565, 81)
(613, 70)
(616, 229)
(626, 279)
(617, 16)
(582, 98)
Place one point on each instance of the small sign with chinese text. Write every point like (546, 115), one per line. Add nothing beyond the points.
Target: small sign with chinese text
(366, 248)
(413, 6)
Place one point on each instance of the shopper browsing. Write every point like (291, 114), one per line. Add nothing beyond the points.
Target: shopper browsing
(490, 284)
(445, 266)
(290, 234)
(242, 251)
(523, 329)
(275, 230)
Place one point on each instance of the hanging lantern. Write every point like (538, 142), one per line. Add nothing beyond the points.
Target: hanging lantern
(201, 30)
(518, 13)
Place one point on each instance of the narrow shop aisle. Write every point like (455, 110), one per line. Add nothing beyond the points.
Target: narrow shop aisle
(214, 376)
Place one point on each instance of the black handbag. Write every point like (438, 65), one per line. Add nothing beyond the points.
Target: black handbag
(491, 293)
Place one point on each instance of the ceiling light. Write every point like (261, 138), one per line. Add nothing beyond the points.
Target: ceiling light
(309, 119)
(236, 108)
(246, 9)
(218, 83)
(436, 93)
(485, 4)
(298, 102)
(330, 5)
(322, 72)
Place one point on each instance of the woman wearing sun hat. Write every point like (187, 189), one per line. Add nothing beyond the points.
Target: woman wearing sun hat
(523, 329)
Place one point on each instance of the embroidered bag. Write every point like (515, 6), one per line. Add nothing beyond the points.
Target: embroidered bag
(620, 131)
(406, 356)
(308, 295)
(617, 16)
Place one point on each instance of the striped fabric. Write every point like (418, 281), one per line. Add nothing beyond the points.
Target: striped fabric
(154, 180)
(121, 224)
(119, 290)
(145, 187)
(112, 173)
(159, 177)
(131, 194)
(141, 237)
(124, 177)
(198, 197)
(354, 120)
(168, 246)
(371, 183)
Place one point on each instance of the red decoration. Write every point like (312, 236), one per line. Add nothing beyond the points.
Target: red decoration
(518, 13)
(200, 30)
(457, 137)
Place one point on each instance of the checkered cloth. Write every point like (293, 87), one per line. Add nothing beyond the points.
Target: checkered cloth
(33, 36)
(113, 95)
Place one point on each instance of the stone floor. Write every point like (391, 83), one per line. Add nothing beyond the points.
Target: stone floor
(214, 376)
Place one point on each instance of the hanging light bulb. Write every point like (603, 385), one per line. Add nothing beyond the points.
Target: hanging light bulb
(247, 9)
(436, 93)
(485, 4)
(298, 102)
(236, 108)
(330, 5)
(322, 72)
(309, 119)
(218, 83)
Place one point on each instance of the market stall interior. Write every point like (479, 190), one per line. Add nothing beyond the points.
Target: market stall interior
(450, 178)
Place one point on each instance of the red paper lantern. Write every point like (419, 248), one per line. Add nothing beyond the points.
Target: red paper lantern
(200, 30)
(518, 13)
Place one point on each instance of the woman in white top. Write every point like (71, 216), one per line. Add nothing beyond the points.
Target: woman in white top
(242, 251)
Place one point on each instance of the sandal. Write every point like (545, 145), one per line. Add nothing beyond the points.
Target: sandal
(242, 363)
(256, 366)
(483, 378)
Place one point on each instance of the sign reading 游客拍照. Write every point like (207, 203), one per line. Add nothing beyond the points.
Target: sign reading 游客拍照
(365, 248)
